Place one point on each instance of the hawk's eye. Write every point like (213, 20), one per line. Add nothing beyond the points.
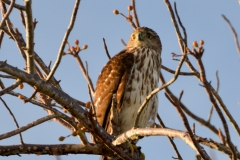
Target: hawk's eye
(149, 36)
(133, 36)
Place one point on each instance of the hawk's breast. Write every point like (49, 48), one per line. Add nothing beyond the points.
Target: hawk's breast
(142, 81)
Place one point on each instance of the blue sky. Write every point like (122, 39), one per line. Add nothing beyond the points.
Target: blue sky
(95, 20)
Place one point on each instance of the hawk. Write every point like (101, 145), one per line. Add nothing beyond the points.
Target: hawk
(131, 74)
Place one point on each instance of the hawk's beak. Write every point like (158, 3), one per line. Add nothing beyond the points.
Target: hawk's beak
(140, 36)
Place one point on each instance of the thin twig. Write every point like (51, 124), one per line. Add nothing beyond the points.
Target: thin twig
(7, 13)
(180, 23)
(20, 42)
(1, 37)
(26, 127)
(65, 38)
(22, 18)
(179, 36)
(106, 49)
(170, 139)
(7, 76)
(15, 120)
(20, 7)
(10, 88)
(217, 89)
(135, 17)
(29, 37)
(200, 150)
(123, 42)
(234, 33)
(187, 111)
(89, 81)
(90, 95)
(180, 73)
(155, 91)
(33, 95)
(214, 103)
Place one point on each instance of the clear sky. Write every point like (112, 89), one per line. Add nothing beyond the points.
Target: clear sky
(95, 20)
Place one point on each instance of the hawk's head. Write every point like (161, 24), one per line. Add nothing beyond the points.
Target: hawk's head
(145, 37)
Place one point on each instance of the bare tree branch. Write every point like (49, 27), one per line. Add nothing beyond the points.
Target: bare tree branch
(20, 7)
(10, 88)
(7, 13)
(135, 17)
(106, 49)
(65, 38)
(234, 33)
(15, 120)
(180, 73)
(89, 81)
(213, 101)
(200, 150)
(56, 94)
(29, 37)
(217, 88)
(170, 139)
(187, 111)
(54, 149)
(26, 127)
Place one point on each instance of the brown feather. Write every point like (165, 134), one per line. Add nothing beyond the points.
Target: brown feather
(112, 79)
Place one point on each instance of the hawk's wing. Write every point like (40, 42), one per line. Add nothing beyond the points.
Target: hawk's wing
(112, 79)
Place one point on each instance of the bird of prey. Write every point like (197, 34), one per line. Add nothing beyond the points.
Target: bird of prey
(131, 75)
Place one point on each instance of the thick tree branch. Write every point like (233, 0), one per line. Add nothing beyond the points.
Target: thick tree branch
(134, 134)
(59, 96)
(54, 149)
